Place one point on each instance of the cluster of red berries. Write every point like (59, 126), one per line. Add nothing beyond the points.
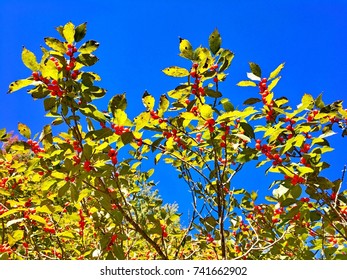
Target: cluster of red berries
(76, 146)
(223, 144)
(312, 115)
(210, 124)
(76, 159)
(209, 238)
(55, 89)
(3, 182)
(35, 147)
(87, 166)
(112, 154)
(119, 129)
(163, 231)
(176, 138)
(264, 92)
(49, 228)
(5, 248)
(81, 222)
(197, 89)
(112, 241)
(295, 179)
(267, 151)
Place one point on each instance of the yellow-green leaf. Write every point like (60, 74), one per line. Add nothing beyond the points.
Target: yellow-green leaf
(275, 73)
(120, 117)
(56, 45)
(148, 100)
(246, 84)
(175, 71)
(89, 47)
(29, 60)
(69, 32)
(163, 104)
(273, 83)
(38, 218)
(16, 85)
(24, 130)
(215, 41)
(186, 49)
(307, 101)
(49, 70)
(206, 111)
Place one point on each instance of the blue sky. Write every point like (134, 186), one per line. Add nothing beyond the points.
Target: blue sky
(140, 38)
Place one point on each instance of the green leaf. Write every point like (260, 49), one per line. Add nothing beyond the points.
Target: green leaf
(56, 45)
(29, 60)
(295, 191)
(251, 101)
(255, 68)
(39, 92)
(89, 46)
(227, 105)
(246, 84)
(148, 100)
(87, 59)
(212, 93)
(80, 32)
(49, 103)
(179, 92)
(24, 130)
(175, 71)
(127, 138)
(92, 112)
(248, 129)
(118, 101)
(275, 73)
(215, 41)
(17, 85)
(69, 32)
(186, 49)
(319, 102)
(225, 58)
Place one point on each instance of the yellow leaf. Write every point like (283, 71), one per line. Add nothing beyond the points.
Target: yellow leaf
(148, 100)
(246, 84)
(69, 32)
(24, 130)
(29, 60)
(273, 83)
(186, 49)
(275, 73)
(16, 85)
(175, 71)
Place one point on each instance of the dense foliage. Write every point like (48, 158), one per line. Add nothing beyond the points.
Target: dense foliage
(81, 194)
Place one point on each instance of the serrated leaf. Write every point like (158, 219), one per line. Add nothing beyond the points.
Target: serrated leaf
(69, 32)
(148, 100)
(215, 41)
(89, 47)
(275, 73)
(17, 85)
(246, 84)
(56, 45)
(255, 68)
(175, 71)
(80, 32)
(29, 60)
(24, 130)
(251, 101)
(186, 49)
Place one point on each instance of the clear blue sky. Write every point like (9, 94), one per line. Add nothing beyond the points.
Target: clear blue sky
(140, 38)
